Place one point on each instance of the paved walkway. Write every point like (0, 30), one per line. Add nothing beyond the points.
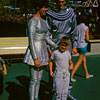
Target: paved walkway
(17, 80)
(13, 45)
(18, 45)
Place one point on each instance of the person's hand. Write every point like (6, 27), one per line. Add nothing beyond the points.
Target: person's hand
(51, 74)
(5, 72)
(74, 51)
(36, 63)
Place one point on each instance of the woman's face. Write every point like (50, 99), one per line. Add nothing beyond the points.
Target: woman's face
(42, 11)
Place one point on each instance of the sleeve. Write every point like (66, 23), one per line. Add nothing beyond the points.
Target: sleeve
(50, 41)
(32, 29)
(85, 27)
(74, 33)
(2, 61)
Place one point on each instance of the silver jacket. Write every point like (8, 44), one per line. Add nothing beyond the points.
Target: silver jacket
(38, 39)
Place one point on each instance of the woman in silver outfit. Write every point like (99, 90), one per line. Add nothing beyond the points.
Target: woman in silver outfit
(36, 54)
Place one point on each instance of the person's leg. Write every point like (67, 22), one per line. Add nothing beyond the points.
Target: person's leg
(79, 61)
(50, 87)
(65, 86)
(58, 84)
(38, 84)
(85, 68)
(36, 75)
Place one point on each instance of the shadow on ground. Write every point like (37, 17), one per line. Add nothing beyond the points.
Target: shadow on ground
(78, 75)
(19, 91)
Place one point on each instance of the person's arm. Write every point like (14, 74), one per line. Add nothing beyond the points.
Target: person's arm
(32, 29)
(50, 53)
(5, 69)
(70, 65)
(87, 35)
(50, 67)
(50, 41)
(51, 64)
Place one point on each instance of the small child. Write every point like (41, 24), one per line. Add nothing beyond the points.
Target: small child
(4, 70)
(61, 75)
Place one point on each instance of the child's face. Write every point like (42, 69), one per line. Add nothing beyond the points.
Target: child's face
(63, 47)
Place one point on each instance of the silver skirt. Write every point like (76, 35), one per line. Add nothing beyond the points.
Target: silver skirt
(41, 52)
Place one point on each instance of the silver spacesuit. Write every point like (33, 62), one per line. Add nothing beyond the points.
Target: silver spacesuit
(37, 48)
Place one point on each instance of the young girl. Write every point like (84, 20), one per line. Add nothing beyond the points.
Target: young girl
(83, 38)
(61, 75)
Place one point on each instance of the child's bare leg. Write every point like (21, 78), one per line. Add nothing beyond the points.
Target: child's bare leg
(85, 68)
(79, 61)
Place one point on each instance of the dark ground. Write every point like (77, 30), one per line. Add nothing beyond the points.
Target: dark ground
(17, 80)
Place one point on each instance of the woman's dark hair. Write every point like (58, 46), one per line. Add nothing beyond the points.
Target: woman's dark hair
(38, 4)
